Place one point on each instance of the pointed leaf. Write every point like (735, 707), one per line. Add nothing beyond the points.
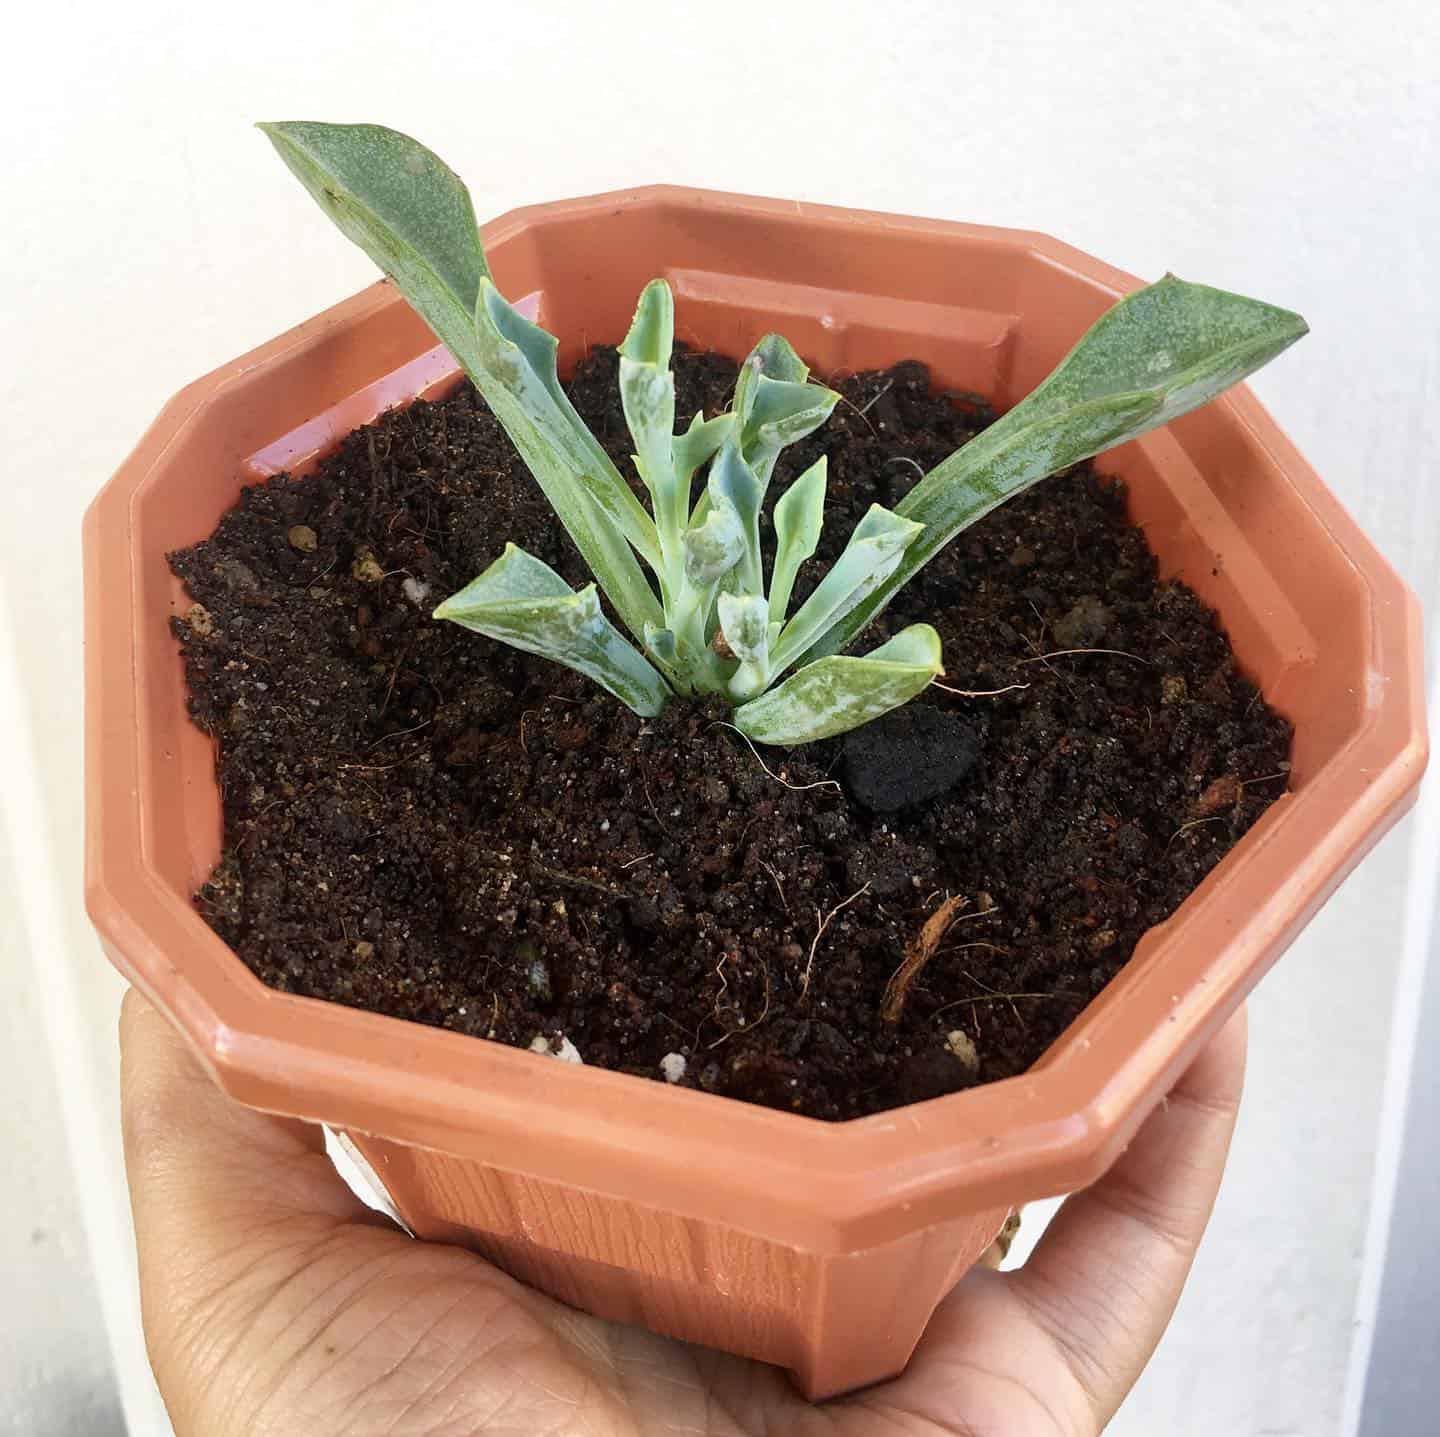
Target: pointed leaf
(699, 444)
(875, 550)
(774, 406)
(782, 413)
(798, 516)
(516, 574)
(1157, 354)
(836, 694)
(521, 601)
(652, 331)
(412, 215)
(407, 209)
(647, 394)
(773, 356)
(523, 355)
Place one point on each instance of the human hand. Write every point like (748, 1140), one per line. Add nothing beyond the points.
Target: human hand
(276, 1302)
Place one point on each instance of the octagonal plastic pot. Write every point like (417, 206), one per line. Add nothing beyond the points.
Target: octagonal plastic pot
(821, 1247)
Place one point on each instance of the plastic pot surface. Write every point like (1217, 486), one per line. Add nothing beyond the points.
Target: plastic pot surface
(821, 1247)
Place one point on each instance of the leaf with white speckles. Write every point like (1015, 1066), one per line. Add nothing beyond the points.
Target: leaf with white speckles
(1157, 354)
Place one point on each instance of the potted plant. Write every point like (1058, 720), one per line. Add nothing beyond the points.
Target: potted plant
(821, 1246)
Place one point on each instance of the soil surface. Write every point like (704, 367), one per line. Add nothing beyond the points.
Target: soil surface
(425, 823)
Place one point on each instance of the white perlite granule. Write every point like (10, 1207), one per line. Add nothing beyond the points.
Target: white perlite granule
(567, 1052)
(963, 1046)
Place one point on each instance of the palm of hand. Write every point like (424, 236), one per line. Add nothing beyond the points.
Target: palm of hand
(276, 1303)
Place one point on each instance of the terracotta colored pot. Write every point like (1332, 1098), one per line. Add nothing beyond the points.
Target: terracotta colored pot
(821, 1247)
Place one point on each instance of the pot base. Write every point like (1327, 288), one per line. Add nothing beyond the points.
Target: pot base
(836, 1321)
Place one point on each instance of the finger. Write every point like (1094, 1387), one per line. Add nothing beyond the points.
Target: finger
(1105, 1278)
(195, 1159)
(229, 1205)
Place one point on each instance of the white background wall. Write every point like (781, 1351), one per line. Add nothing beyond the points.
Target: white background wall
(1288, 150)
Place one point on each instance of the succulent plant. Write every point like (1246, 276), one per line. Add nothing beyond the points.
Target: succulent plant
(704, 620)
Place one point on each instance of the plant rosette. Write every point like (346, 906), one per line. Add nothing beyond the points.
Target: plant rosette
(822, 1247)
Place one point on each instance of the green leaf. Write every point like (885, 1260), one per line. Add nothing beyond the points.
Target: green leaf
(663, 650)
(782, 414)
(774, 406)
(516, 373)
(732, 482)
(523, 602)
(651, 336)
(1157, 354)
(522, 355)
(647, 393)
(412, 215)
(713, 548)
(876, 547)
(407, 209)
(661, 643)
(699, 444)
(745, 623)
(833, 695)
(773, 356)
(798, 516)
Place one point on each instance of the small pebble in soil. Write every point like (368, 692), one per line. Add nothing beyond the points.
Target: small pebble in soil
(237, 576)
(366, 569)
(302, 538)
(197, 616)
(1225, 792)
(909, 756)
(1083, 624)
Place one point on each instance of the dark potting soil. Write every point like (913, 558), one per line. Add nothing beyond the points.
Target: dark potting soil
(425, 823)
